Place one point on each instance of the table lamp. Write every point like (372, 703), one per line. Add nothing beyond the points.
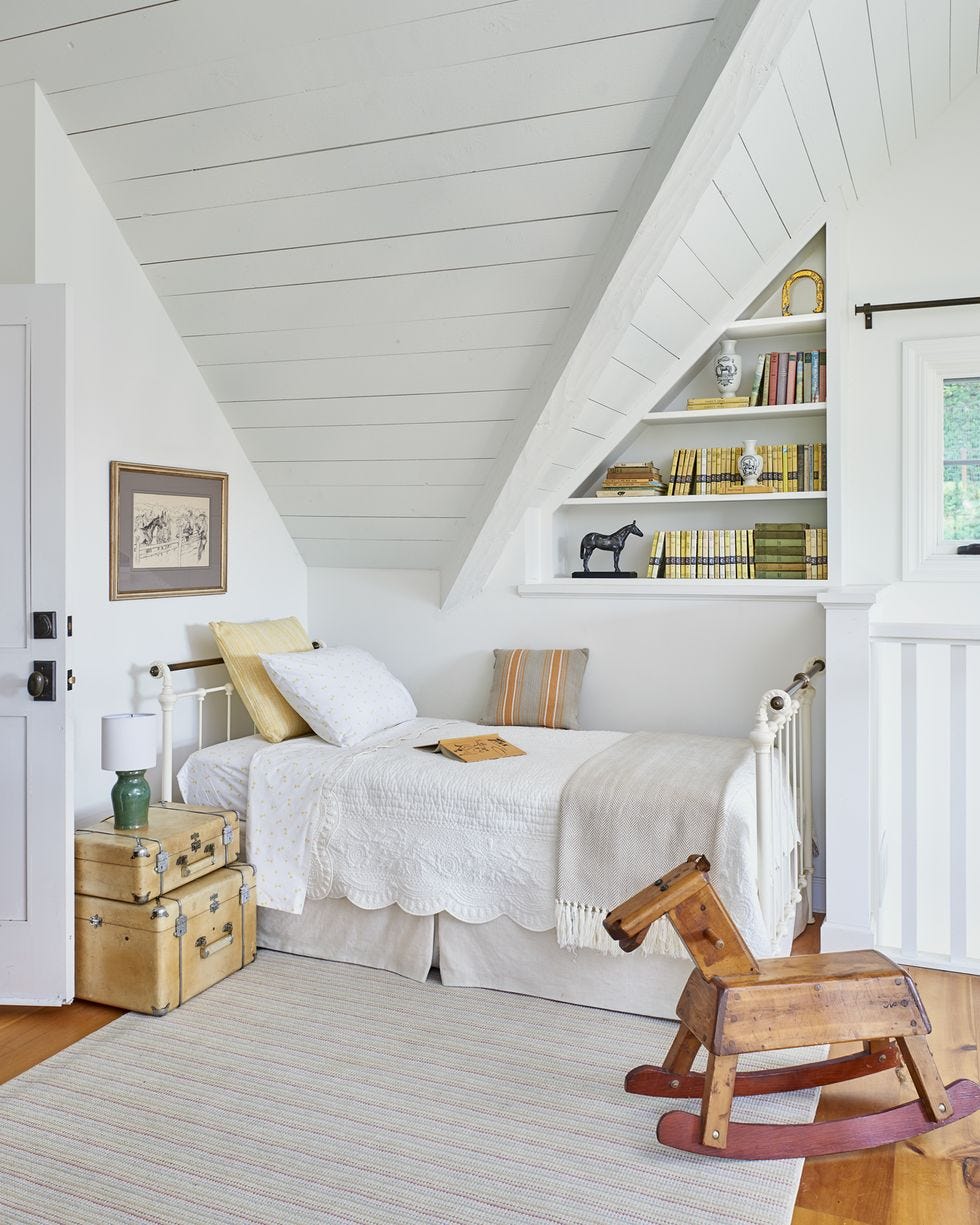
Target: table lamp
(129, 746)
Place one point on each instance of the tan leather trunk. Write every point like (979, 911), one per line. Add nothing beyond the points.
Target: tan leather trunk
(180, 843)
(152, 958)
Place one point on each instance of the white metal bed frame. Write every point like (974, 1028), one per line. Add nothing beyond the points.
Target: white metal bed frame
(781, 740)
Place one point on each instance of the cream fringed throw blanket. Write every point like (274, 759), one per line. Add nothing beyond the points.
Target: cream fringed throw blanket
(639, 808)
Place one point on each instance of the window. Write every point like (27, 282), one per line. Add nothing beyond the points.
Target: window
(961, 459)
(941, 458)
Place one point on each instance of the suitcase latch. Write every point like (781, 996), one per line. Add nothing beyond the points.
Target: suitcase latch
(141, 852)
(195, 842)
(96, 920)
(244, 894)
(180, 926)
(214, 903)
(163, 862)
(227, 833)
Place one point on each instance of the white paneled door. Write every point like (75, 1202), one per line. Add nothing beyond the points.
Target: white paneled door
(36, 912)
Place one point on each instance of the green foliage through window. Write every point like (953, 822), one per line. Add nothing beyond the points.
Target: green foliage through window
(961, 459)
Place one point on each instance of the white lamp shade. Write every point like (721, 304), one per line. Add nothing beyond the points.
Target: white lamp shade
(129, 742)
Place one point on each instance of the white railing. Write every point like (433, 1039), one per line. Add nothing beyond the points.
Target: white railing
(927, 793)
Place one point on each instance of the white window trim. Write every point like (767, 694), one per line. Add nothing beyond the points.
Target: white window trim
(926, 556)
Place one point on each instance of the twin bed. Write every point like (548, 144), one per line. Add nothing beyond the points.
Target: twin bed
(386, 856)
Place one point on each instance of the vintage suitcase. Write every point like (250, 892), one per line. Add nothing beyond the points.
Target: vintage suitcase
(180, 843)
(153, 958)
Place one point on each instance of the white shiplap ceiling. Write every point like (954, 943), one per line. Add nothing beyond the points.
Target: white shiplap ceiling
(368, 218)
(854, 85)
(383, 226)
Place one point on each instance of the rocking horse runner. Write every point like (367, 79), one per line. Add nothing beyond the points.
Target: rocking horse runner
(733, 1004)
(613, 543)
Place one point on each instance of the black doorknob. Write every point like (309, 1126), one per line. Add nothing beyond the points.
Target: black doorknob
(36, 684)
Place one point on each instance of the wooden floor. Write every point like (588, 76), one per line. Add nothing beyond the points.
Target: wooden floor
(932, 1180)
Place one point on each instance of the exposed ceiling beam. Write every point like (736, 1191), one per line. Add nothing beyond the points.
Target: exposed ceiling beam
(717, 96)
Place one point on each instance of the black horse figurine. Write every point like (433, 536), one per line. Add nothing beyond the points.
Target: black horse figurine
(613, 544)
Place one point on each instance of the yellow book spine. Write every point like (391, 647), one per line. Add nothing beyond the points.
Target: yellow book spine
(672, 479)
(651, 564)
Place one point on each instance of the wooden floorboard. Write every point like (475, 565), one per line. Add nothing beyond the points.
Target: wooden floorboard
(930, 1179)
(31, 1035)
(933, 1179)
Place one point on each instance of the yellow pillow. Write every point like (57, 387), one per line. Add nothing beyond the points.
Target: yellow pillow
(240, 644)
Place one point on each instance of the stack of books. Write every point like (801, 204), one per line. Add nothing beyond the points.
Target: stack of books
(815, 552)
(790, 378)
(786, 468)
(770, 551)
(697, 403)
(780, 550)
(632, 481)
(702, 553)
(794, 467)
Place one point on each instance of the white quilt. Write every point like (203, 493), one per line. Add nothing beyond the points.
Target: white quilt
(384, 823)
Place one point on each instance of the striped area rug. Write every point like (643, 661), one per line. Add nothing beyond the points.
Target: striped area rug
(307, 1091)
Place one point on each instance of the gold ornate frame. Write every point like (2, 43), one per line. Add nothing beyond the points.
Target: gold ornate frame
(127, 583)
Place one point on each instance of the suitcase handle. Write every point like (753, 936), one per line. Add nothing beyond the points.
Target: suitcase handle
(202, 865)
(215, 946)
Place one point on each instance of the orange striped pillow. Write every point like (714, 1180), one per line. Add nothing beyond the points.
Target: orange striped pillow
(536, 688)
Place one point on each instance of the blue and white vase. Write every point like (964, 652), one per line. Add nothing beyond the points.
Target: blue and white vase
(728, 369)
(749, 463)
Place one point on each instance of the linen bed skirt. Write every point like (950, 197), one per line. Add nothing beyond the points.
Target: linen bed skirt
(498, 955)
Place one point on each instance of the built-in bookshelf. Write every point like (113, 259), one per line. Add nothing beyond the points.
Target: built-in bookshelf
(797, 424)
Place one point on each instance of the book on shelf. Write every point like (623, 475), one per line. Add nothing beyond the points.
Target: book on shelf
(625, 480)
(796, 377)
(816, 553)
(697, 403)
(637, 471)
(702, 553)
(760, 364)
(632, 491)
(786, 468)
(780, 550)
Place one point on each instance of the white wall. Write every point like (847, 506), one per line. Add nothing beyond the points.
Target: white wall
(137, 396)
(913, 237)
(697, 666)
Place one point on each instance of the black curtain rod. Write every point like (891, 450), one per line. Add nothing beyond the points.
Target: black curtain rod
(867, 310)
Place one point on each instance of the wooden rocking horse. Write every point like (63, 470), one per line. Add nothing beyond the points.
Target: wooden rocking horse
(733, 1004)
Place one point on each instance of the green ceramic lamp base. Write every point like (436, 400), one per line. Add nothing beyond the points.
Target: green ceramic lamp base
(130, 800)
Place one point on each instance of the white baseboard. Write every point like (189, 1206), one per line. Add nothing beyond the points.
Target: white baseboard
(926, 961)
(836, 938)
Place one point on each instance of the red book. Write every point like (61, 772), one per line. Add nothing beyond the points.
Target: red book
(791, 380)
(773, 368)
(823, 375)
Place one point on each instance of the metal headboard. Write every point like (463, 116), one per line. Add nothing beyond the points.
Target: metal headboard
(168, 699)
